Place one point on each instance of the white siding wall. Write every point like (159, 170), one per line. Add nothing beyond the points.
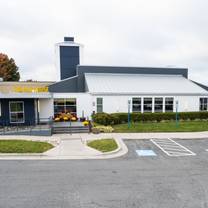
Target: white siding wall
(112, 104)
(188, 103)
(45, 108)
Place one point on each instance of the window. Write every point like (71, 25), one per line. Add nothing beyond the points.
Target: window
(136, 104)
(158, 104)
(203, 104)
(99, 105)
(67, 105)
(0, 109)
(147, 104)
(16, 111)
(169, 104)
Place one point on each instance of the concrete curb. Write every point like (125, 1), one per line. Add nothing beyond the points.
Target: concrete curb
(120, 151)
(111, 152)
(21, 154)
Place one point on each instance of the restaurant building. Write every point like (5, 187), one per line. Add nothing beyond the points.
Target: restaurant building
(83, 90)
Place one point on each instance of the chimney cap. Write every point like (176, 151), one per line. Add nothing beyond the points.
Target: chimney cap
(69, 39)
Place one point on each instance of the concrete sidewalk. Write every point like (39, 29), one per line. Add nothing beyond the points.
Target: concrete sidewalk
(66, 147)
(173, 135)
(74, 146)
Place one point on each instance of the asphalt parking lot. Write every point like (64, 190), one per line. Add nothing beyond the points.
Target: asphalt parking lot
(197, 146)
(159, 181)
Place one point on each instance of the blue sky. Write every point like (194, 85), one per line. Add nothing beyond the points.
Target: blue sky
(114, 32)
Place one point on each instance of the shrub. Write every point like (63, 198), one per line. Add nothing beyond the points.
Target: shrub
(103, 129)
(103, 118)
(119, 118)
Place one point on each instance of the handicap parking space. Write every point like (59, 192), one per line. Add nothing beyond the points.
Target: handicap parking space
(142, 148)
(145, 153)
(155, 149)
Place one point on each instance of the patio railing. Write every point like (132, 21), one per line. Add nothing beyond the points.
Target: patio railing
(43, 126)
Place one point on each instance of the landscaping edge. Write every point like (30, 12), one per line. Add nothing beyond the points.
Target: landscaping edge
(107, 153)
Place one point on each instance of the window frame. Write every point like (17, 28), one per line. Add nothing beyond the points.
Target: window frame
(15, 112)
(166, 111)
(149, 111)
(64, 105)
(99, 105)
(203, 104)
(132, 105)
(160, 111)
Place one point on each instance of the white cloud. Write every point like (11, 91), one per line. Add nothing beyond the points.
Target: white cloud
(114, 32)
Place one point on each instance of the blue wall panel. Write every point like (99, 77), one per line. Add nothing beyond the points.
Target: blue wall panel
(29, 109)
(69, 59)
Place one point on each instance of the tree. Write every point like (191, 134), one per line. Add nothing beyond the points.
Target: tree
(8, 68)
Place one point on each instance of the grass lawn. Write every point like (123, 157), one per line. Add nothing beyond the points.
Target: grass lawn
(103, 145)
(23, 146)
(185, 126)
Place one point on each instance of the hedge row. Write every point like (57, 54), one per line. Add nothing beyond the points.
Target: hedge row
(119, 118)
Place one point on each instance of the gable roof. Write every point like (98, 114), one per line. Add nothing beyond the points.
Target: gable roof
(105, 83)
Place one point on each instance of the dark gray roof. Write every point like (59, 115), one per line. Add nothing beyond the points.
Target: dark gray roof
(77, 83)
(66, 85)
(201, 85)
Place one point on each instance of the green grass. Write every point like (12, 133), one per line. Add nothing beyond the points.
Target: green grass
(103, 145)
(185, 126)
(23, 146)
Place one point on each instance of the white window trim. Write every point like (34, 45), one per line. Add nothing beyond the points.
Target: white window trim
(161, 111)
(99, 104)
(146, 104)
(17, 111)
(65, 99)
(140, 105)
(203, 104)
(172, 105)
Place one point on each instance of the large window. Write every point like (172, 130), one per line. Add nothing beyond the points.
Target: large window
(136, 104)
(169, 104)
(203, 104)
(147, 104)
(67, 105)
(99, 105)
(158, 104)
(16, 112)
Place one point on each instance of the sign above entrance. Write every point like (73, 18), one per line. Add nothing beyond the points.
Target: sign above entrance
(27, 89)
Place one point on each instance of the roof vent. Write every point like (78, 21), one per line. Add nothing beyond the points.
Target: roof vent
(69, 39)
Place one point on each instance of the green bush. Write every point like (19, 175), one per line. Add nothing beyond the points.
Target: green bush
(103, 129)
(119, 118)
(103, 118)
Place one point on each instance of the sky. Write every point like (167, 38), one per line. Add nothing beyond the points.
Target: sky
(160, 33)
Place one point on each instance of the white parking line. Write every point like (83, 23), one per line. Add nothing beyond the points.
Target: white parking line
(172, 148)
